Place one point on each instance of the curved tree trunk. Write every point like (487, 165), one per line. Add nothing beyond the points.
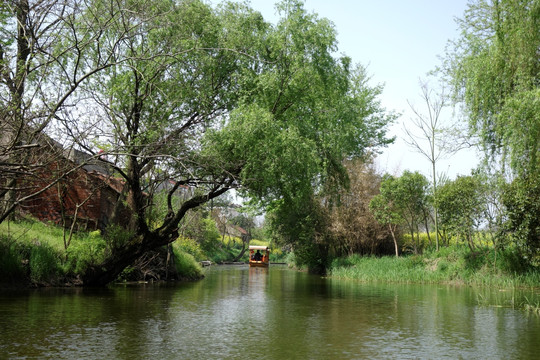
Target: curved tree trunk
(244, 248)
(392, 231)
(144, 240)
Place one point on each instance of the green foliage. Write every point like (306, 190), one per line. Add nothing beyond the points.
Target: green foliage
(84, 253)
(116, 237)
(11, 266)
(231, 241)
(210, 236)
(307, 112)
(494, 68)
(304, 226)
(402, 201)
(29, 229)
(189, 246)
(186, 265)
(521, 199)
(258, 242)
(44, 264)
(461, 207)
(453, 264)
(215, 98)
(36, 251)
(420, 240)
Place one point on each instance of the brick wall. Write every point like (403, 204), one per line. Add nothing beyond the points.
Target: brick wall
(88, 196)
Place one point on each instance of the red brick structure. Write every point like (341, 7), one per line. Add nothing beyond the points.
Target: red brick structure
(91, 198)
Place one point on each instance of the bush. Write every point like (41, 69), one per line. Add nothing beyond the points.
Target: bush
(44, 264)
(186, 266)
(11, 269)
(510, 261)
(116, 237)
(189, 246)
(83, 253)
(210, 236)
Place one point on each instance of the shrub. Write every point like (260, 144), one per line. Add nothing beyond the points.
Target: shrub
(510, 261)
(186, 266)
(44, 264)
(210, 236)
(83, 253)
(189, 246)
(11, 269)
(116, 237)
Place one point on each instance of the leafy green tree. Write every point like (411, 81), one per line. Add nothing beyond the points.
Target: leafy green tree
(494, 68)
(215, 99)
(402, 200)
(521, 200)
(461, 204)
(304, 225)
(412, 199)
(309, 112)
(386, 210)
(178, 73)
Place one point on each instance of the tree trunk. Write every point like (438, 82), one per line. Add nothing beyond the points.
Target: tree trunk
(107, 271)
(144, 240)
(394, 238)
(244, 248)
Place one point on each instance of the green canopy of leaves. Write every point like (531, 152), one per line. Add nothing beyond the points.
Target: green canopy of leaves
(495, 67)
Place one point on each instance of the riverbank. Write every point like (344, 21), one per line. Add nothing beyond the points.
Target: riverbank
(36, 254)
(455, 265)
(450, 265)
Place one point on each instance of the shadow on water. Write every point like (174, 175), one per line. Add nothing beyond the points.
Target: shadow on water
(275, 313)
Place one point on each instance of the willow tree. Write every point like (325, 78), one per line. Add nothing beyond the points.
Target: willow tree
(495, 67)
(308, 113)
(213, 99)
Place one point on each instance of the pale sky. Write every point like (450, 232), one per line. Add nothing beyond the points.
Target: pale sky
(399, 41)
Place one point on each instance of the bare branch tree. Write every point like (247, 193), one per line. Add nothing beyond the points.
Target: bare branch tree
(45, 48)
(430, 135)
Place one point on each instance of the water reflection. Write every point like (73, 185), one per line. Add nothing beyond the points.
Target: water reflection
(276, 313)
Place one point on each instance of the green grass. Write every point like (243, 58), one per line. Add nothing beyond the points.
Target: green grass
(497, 274)
(30, 230)
(187, 266)
(452, 265)
(11, 260)
(33, 253)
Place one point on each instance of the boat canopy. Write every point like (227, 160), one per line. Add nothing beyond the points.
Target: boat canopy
(259, 247)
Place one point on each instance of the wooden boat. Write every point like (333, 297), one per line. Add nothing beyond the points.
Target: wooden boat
(259, 256)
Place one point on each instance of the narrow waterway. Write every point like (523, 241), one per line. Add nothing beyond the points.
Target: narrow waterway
(271, 313)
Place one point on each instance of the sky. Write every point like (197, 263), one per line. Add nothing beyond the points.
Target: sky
(398, 42)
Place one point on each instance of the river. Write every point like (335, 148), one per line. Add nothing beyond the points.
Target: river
(237, 312)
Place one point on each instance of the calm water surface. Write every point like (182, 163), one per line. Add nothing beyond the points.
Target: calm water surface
(275, 313)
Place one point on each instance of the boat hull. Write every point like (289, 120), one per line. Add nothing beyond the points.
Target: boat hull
(254, 263)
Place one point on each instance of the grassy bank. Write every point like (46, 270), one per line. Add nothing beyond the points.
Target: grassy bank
(34, 254)
(451, 265)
